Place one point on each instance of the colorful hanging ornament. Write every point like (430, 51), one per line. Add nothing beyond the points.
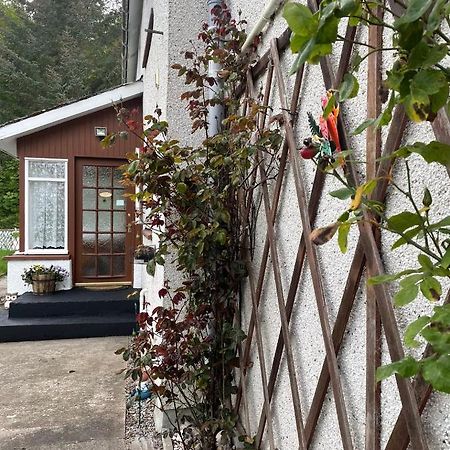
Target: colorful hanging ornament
(324, 140)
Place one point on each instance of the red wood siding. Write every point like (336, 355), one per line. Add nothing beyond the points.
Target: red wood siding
(76, 137)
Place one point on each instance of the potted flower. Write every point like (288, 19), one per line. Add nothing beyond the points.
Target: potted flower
(144, 254)
(43, 279)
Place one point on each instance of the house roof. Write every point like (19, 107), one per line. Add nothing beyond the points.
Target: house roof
(11, 131)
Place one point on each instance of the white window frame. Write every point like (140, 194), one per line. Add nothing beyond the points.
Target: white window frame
(44, 251)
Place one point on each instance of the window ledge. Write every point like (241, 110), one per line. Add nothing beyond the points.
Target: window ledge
(33, 256)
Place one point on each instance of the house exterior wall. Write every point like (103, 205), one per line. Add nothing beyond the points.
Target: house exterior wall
(162, 88)
(70, 140)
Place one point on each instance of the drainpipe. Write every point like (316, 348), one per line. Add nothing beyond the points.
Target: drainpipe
(271, 8)
(216, 113)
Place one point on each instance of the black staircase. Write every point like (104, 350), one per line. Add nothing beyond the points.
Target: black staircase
(76, 313)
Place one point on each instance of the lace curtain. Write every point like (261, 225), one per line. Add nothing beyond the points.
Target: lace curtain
(46, 200)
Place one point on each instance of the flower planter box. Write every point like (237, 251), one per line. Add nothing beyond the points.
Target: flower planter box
(44, 284)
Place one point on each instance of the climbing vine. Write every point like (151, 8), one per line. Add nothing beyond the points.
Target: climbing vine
(193, 200)
(417, 80)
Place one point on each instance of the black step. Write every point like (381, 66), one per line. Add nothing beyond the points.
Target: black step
(65, 327)
(77, 301)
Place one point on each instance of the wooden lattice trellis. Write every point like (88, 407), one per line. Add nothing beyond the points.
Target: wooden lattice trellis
(379, 310)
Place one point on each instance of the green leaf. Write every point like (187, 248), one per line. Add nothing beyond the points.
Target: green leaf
(348, 88)
(361, 127)
(415, 10)
(342, 194)
(151, 267)
(343, 236)
(429, 81)
(439, 99)
(436, 16)
(431, 288)
(411, 279)
(406, 367)
(445, 261)
(386, 278)
(425, 262)
(347, 7)
(423, 55)
(300, 19)
(437, 373)
(408, 234)
(298, 42)
(406, 295)
(438, 338)
(409, 34)
(413, 329)
(432, 152)
(302, 56)
(445, 222)
(329, 107)
(403, 221)
(181, 188)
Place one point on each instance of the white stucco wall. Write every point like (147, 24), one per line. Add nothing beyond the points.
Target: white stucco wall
(162, 87)
(15, 283)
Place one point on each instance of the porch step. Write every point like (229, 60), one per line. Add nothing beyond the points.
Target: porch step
(77, 302)
(65, 327)
(75, 313)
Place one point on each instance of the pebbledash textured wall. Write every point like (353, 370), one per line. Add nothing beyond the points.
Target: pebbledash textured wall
(180, 22)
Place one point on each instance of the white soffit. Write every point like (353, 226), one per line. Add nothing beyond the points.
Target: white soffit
(60, 114)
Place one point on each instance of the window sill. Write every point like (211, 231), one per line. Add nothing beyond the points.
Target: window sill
(40, 256)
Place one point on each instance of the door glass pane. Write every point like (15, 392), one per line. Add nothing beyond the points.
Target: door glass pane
(104, 177)
(89, 198)
(89, 243)
(119, 222)
(46, 214)
(118, 265)
(89, 176)
(46, 169)
(104, 243)
(88, 266)
(104, 221)
(104, 265)
(117, 178)
(89, 221)
(104, 198)
(119, 242)
(119, 199)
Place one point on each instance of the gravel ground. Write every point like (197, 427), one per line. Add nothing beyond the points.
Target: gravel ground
(139, 421)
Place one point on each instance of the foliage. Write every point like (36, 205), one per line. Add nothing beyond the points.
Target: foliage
(3, 263)
(418, 80)
(192, 199)
(38, 269)
(38, 65)
(9, 193)
(144, 252)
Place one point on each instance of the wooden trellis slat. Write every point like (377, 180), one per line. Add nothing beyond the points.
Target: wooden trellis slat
(313, 260)
(373, 321)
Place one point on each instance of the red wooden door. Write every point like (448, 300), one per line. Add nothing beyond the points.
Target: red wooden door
(104, 230)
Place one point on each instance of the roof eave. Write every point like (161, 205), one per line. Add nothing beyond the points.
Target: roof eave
(29, 125)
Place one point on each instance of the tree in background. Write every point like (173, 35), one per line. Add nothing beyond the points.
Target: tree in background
(54, 51)
(51, 52)
(9, 192)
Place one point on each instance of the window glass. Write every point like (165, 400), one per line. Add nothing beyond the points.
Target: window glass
(46, 169)
(47, 216)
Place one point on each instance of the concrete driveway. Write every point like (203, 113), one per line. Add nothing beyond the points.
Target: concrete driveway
(62, 394)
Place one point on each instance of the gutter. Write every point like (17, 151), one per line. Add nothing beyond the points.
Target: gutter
(271, 8)
(132, 29)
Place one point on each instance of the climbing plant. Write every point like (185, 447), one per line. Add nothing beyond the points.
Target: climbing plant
(192, 200)
(417, 79)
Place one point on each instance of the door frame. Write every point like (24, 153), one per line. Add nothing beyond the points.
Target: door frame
(78, 279)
